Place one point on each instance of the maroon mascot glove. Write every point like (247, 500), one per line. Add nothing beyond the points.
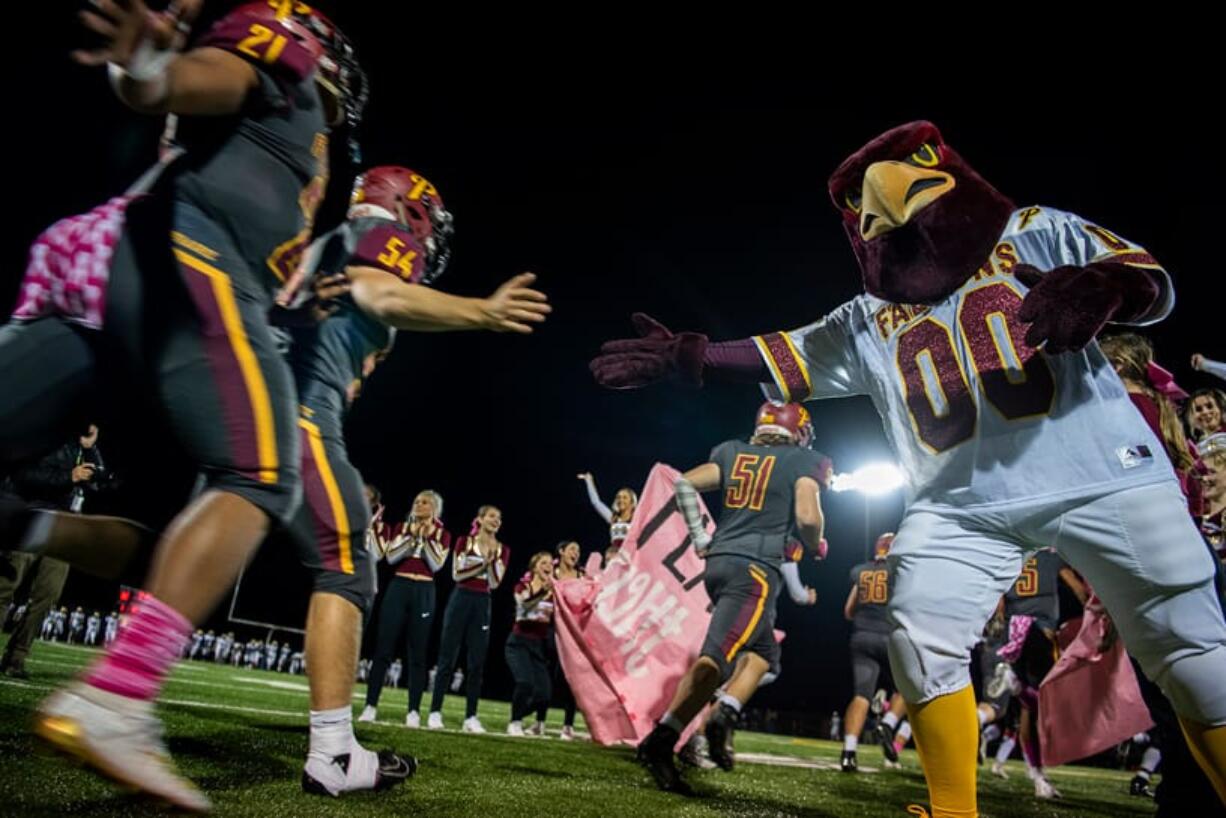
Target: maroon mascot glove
(656, 355)
(1068, 306)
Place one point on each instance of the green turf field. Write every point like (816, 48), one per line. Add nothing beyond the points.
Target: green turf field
(242, 736)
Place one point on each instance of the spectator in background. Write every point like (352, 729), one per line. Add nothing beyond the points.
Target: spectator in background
(1213, 518)
(76, 625)
(618, 518)
(1205, 413)
(61, 622)
(478, 565)
(418, 549)
(566, 565)
(1153, 392)
(525, 648)
(62, 481)
(92, 625)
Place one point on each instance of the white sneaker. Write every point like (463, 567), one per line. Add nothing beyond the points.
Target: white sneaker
(412, 719)
(998, 770)
(472, 725)
(368, 713)
(434, 721)
(537, 729)
(120, 738)
(568, 733)
(1044, 789)
(515, 728)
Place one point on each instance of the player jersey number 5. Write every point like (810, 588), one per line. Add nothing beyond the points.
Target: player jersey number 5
(1015, 378)
(1028, 581)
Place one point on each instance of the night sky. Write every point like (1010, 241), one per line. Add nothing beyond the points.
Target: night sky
(694, 191)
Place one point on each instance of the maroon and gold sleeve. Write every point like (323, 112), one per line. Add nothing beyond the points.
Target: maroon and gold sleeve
(388, 246)
(265, 43)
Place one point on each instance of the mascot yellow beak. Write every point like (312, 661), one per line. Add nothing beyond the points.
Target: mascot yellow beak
(894, 192)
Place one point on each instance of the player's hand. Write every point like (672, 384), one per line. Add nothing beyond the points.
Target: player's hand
(585, 476)
(83, 473)
(323, 304)
(327, 290)
(126, 25)
(812, 595)
(657, 354)
(515, 307)
(1198, 361)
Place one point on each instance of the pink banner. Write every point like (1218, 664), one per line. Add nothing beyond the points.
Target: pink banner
(1089, 701)
(627, 634)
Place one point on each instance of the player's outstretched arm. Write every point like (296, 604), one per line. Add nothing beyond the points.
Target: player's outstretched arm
(148, 72)
(513, 307)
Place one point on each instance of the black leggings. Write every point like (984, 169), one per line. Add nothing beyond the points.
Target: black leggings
(526, 658)
(466, 621)
(560, 686)
(408, 608)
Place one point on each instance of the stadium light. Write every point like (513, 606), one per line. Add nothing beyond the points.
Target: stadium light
(873, 480)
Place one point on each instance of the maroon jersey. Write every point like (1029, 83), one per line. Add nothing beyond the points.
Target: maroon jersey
(417, 556)
(470, 570)
(533, 609)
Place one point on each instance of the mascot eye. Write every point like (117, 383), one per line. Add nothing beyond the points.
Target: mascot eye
(852, 199)
(925, 157)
